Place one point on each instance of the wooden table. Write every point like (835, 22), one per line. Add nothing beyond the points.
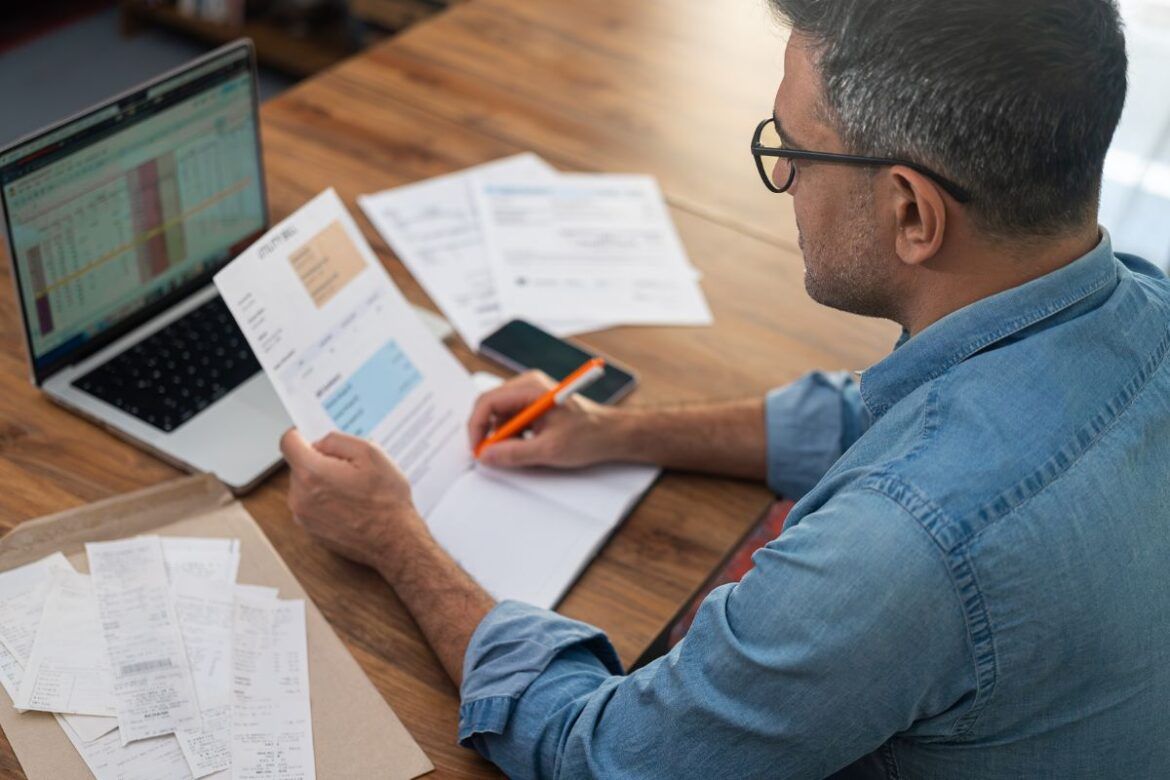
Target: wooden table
(669, 87)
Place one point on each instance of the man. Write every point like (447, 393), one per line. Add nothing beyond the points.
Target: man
(974, 581)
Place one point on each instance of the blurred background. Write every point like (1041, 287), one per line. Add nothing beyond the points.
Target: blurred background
(1135, 196)
(58, 56)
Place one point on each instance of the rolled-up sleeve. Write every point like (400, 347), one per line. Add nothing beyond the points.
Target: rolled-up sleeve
(810, 423)
(813, 660)
(514, 645)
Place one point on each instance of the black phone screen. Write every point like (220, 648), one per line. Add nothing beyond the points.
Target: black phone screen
(519, 345)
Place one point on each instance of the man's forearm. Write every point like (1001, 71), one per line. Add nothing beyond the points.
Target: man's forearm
(726, 438)
(443, 599)
(448, 604)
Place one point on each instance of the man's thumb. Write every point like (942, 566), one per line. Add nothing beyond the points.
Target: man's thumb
(339, 445)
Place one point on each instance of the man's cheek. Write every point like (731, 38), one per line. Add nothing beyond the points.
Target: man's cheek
(810, 224)
(798, 209)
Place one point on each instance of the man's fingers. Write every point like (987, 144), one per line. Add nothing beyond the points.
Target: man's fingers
(513, 453)
(496, 406)
(341, 445)
(308, 462)
(297, 451)
(480, 421)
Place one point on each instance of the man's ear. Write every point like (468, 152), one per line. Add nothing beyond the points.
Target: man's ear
(920, 215)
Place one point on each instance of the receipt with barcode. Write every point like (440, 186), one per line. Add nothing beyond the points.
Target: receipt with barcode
(152, 684)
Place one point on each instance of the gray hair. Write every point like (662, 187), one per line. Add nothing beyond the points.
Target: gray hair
(1014, 100)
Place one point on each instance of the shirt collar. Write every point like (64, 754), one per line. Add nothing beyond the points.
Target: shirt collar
(962, 333)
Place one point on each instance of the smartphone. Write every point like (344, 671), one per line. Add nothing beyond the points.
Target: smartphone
(520, 345)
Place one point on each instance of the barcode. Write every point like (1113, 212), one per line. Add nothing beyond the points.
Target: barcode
(146, 666)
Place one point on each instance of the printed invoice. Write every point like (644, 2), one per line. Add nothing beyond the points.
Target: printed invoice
(344, 349)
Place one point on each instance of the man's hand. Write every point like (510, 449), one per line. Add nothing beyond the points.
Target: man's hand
(580, 433)
(349, 495)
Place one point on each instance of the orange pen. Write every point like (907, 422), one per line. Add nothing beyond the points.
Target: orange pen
(584, 376)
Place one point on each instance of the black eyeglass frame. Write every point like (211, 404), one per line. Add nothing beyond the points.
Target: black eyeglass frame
(759, 152)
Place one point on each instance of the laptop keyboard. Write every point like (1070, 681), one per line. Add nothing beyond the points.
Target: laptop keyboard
(177, 372)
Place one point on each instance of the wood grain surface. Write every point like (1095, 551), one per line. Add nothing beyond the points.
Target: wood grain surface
(669, 87)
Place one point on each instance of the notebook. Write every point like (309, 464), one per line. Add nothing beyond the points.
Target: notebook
(345, 351)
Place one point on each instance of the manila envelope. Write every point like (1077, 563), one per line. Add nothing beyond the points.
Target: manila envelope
(355, 733)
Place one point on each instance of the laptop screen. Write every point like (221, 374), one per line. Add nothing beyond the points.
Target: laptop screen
(116, 214)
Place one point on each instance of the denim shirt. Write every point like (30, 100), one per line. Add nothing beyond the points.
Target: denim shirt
(975, 581)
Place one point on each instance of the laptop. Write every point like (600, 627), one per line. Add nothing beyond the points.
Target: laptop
(115, 221)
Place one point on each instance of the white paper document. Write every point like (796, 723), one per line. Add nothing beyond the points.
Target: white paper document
(150, 638)
(271, 726)
(22, 598)
(597, 243)
(344, 349)
(23, 579)
(20, 615)
(95, 738)
(67, 671)
(210, 559)
(24, 591)
(206, 610)
(158, 758)
(11, 672)
(513, 238)
(434, 228)
(19, 618)
(345, 352)
(151, 677)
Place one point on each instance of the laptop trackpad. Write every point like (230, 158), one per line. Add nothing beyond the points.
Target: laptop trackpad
(238, 437)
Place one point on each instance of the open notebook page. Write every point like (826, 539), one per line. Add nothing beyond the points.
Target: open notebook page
(528, 534)
(514, 543)
(604, 493)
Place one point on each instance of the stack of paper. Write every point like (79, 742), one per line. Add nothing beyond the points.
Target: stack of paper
(515, 239)
(157, 664)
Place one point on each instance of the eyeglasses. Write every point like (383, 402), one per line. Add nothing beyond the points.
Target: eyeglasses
(767, 143)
